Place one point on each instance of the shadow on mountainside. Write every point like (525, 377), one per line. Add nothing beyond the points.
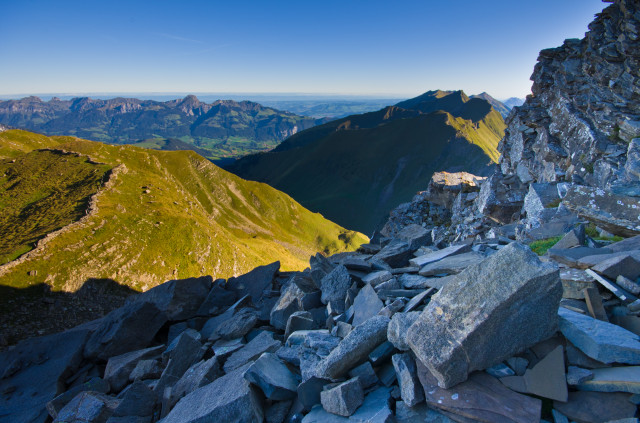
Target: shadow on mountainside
(36, 310)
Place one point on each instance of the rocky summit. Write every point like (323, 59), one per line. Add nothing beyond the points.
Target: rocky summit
(508, 298)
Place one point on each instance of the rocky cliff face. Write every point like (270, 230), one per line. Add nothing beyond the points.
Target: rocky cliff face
(585, 109)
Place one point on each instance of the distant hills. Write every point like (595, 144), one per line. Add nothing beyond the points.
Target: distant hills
(140, 217)
(224, 128)
(356, 169)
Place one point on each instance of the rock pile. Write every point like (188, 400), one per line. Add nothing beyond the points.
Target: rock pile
(399, 331)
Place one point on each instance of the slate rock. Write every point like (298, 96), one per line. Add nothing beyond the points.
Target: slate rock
(229, 398)
(395, 254)
(273, 377)
(120, 367)
(628, 244)
(218, 299)
(179, 299)
(365, 374)
(435, 256)
(239, 325)
(376, 278)
(255, 282)
(628, 285)
(182, 353)
(574, 281)
(211, 326)
(574, 238)
(471, 323)
(418, 300)
(376, 407)
(334, 286)
(410, 389)
(300, 320)
(578, 375)
(623, 265)
(356, 263)
(343, 399)
(398, 327)
(137, 401)
(304, 281)
(320, 267)
(125, 329)
(95, 384)
(366, 305)
(354, 348)
(613, 379)
(571, 256)
(546, 379)
(480, 398)
(223, 348)
(602, 341)
(409, 281)
(309, 391)
(452, 265)
(198, 375)
(414, 235)
(596, 407)
(262, 343)
(420, 413)
(277, 412)
(287, 304)
(50, 360)
(381, 353)
(92, 407)
(500, 370)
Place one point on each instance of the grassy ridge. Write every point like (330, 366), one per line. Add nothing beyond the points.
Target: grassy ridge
(168, 214)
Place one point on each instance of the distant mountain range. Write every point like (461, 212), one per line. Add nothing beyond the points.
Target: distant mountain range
(224, 128)
(356, 169)
(140, 217)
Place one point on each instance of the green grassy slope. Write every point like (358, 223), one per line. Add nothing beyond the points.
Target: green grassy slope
(355, 170)
(166, 214)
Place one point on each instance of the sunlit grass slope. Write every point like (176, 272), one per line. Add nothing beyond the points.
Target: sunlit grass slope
(161, 215)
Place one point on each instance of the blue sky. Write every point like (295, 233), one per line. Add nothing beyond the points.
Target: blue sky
(366, 47)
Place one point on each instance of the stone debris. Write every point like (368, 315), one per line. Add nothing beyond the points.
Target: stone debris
(343, 399)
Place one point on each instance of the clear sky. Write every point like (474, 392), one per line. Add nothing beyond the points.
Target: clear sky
(400, 48)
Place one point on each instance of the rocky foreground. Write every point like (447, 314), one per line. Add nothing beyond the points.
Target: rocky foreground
(399, 331)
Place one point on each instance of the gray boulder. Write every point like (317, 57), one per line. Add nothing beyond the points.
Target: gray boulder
(343, 399)
(49, 360)
(452, 265)
(90, 407)
(198, 375)
(137, 401)
(398, 328)
(238, 325)
(273, 377)
(120, 367)
(96, 385)
(395, 254)
(300, 320)
(182, 353)
(229, 398)
(179, 299)
(128, 328)
(320, 267)
(488, 313)
(354, 348)
(415, 235)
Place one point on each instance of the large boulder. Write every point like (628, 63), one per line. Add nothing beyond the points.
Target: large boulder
(487, 313)
(229, 398)
(287, 304)
(335, 286)
(33, 373)
(179, 299)
(120, 367)
(128, 328)
(255, 282)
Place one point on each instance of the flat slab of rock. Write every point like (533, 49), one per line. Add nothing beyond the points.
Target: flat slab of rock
(415, 235)
(602, 341)
(343, 399)
(409, 281)
(262, 343)
(273, 377)
(613, 379)
(596, 407)
(452, 265)
(366, 305)
(354, 348)
(376, 278)
(425, 259)
(571, 256)
(470, 324)
(625, 245)
(120, 367)
(481, 398)
(229, 398)
(88, 407)
(625, 265)
(546, 379)
(198, 375)
(574, 281)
